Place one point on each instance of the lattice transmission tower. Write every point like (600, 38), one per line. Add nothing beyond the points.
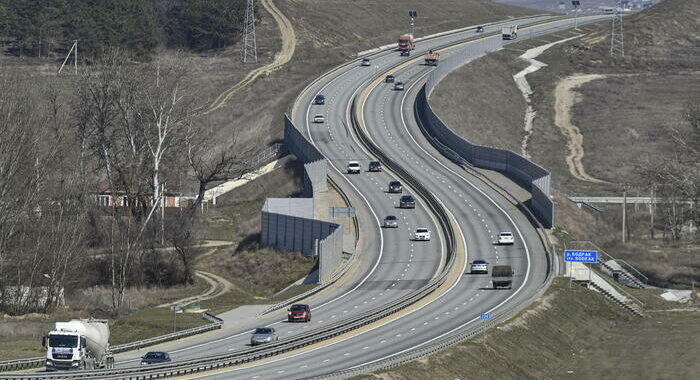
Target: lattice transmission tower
(617, 39)
(249, 51)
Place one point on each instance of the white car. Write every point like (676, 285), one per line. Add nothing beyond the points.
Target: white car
(319, 119)
(354, 167)
(505, 238)
(479, 266)
(422, 234)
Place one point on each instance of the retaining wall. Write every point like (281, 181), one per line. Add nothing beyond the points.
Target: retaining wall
(289, 224)
(533, 177)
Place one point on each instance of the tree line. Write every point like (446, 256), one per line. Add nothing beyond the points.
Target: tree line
(129, 126)
(673, 178)
(44, 27)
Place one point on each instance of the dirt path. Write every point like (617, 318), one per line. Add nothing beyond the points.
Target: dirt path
(565, 99)
(217, 286)
(524, 87)
(288, 45)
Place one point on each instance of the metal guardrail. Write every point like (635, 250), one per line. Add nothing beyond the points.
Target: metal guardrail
(216, 323)
(335, 276)
(247, 355)
(466, 334)
(314, 336)
(441, 344)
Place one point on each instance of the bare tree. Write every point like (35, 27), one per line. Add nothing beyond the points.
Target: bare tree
(41, 198)
(210, 166)
(675, 176)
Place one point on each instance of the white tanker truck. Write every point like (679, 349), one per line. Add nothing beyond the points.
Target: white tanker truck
(78, 344)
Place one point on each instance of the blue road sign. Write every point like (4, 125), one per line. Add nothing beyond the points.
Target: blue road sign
(485, 316)
(581, 256)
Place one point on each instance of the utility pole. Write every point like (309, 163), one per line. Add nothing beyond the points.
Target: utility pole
(250, 46)
(624, 215)
(73, 48)
(651, 213)
(577, 5)
(617, 39)
(162, 215)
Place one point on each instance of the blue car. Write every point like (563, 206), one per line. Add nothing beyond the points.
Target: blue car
(320, 99)
(155, 357)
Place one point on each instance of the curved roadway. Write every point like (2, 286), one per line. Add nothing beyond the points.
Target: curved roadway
(392, 264)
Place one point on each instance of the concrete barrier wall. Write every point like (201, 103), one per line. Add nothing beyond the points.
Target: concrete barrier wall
(519, 169)
(289, 224)
(329, 263)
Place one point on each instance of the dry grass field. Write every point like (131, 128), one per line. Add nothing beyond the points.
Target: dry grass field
(623, 119)
(572, 333)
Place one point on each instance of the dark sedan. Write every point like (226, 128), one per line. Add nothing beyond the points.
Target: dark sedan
(155, 357)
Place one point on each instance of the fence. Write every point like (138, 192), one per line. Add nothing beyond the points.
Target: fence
(289, 224)
(216, 323)
(519, 169)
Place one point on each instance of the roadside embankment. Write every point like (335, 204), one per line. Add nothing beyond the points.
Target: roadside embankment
(571, 333)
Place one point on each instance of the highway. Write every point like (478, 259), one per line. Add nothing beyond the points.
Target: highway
(481, 214)
(391, 264)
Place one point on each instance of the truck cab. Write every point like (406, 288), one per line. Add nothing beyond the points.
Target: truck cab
(65, 350)
(406, 44)
(78, 344)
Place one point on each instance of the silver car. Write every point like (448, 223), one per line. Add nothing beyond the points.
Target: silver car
(391, 222)
(398, 86)
(263, 335)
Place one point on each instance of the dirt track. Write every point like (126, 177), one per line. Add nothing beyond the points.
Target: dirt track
(565, 99)
(284, 56)
(217, 286)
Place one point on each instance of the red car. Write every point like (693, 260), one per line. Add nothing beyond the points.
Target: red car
(299, 312)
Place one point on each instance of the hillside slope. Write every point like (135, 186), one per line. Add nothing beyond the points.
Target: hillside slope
(329, 32)
(571, 333)
(665, 37)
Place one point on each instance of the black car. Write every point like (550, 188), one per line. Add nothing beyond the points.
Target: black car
(480, 29)
(407, 201)
(389, 79)
(375, 166)
(155, 357)
(395, 187)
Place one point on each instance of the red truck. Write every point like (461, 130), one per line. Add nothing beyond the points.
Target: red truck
(406, 44)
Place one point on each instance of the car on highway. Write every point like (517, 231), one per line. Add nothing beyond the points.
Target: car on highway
(366, 62)
(320, 99)
(389, 79)
(398, 86)
(506, 238)
(395, 187)
(354, 167)
(421, 234)
(407, 201)
(319, 119)
(263, 335)
(479, 29)
(299, 313)
(391, 222)
(479, 266)
(375, 166)
(155, 357)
